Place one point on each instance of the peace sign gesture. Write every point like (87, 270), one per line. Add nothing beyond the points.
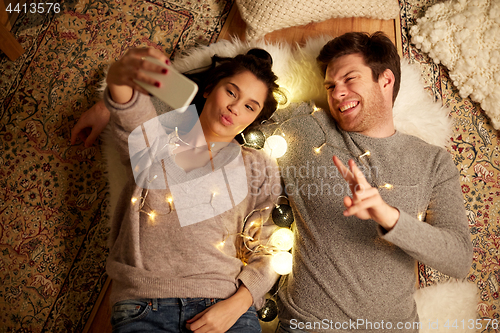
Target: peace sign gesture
(366, 202)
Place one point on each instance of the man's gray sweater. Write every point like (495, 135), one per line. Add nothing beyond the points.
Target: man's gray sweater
(350, 271)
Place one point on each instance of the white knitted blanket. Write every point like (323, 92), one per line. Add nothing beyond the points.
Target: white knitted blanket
(263, 16)
(464, 35)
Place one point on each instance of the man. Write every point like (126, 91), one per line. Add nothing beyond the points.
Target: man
(361, 229)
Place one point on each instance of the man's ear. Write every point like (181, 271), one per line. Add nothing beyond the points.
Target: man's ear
(387, 79)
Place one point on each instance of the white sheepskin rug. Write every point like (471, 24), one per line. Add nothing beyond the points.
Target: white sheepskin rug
(415, 113)
(464, 35)
(447, 307)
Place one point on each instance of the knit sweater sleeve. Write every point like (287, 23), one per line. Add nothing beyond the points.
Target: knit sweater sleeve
(442, 240)
(125, 118)
(258, 275)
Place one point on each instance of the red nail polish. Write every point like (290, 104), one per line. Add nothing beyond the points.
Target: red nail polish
(167, 61)
(157, 84)
(164, 71)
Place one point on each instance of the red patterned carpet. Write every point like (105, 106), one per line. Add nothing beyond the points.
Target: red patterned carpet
(53, 196)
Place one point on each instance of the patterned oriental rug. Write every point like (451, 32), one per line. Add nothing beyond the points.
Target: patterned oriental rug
(53, 196)
(475, 147)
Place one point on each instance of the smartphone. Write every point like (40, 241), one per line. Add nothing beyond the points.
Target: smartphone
(175, 89)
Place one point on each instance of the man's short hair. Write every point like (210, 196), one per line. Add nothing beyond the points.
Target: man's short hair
(377, 50)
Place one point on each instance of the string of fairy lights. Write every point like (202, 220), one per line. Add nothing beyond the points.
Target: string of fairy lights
(280, 242)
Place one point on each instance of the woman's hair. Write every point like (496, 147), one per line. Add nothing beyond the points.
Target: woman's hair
(256, 61)
(378, 51)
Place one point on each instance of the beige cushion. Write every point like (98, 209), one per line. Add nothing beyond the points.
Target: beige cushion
(264, 16)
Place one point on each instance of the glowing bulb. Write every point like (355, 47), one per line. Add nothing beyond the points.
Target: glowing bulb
(170, 201)
(152, 215)
(388, 186)
(220, 245)
(282, 263)
(315, 109)
(421, 216)
(366, 153)
(317, 150)
(275, 146)
(282, 239)
(134, 200)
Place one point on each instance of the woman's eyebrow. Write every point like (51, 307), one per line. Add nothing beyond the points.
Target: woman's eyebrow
(238, 89)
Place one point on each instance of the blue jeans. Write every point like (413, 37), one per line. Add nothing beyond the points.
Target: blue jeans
(170, 315)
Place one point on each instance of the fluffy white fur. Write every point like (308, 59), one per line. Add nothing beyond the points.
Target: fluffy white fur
(447, 302)
(414, 113)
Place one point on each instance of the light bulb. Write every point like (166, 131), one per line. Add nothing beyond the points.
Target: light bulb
(388, 186)
(282, 239)
(275, 146)
(281, 262)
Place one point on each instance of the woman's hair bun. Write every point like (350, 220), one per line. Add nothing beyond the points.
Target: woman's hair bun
(261, 54)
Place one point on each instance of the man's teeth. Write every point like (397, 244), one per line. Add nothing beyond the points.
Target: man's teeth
(348, 106)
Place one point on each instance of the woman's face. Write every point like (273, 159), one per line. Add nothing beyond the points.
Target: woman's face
(232, 105)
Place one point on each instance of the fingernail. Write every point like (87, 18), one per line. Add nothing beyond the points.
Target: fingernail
(157, 84)
(164, 71)
(167, 61)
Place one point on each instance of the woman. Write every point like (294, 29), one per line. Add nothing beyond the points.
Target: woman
(184, 257)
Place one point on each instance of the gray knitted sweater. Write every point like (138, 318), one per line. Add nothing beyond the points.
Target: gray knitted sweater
(164, 257)
(349, 271)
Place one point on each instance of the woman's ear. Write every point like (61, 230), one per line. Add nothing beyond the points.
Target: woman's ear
(207, 91)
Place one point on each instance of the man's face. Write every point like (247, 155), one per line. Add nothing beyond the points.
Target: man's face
(357, 103)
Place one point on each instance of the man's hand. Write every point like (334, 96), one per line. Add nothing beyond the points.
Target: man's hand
(221, 316)
(91, 124)
(366, 202)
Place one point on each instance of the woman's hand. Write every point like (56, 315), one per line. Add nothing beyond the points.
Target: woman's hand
(130, 67)
(221, 316)
(91, 124)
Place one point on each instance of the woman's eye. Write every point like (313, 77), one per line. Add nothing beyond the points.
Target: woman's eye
(230, 93)
(249, 107)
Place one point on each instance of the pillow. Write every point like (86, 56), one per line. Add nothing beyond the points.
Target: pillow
(465, 37)
(264, 16)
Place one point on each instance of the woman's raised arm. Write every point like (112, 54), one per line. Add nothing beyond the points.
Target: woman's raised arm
(130, 67)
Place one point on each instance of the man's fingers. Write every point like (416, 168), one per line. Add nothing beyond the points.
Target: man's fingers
(348, 202)
(361, 207)
(346, 174)
(358, 175)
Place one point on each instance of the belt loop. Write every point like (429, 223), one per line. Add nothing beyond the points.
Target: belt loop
(155, 304)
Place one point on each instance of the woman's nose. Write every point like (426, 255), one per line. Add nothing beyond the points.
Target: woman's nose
(233, 108)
